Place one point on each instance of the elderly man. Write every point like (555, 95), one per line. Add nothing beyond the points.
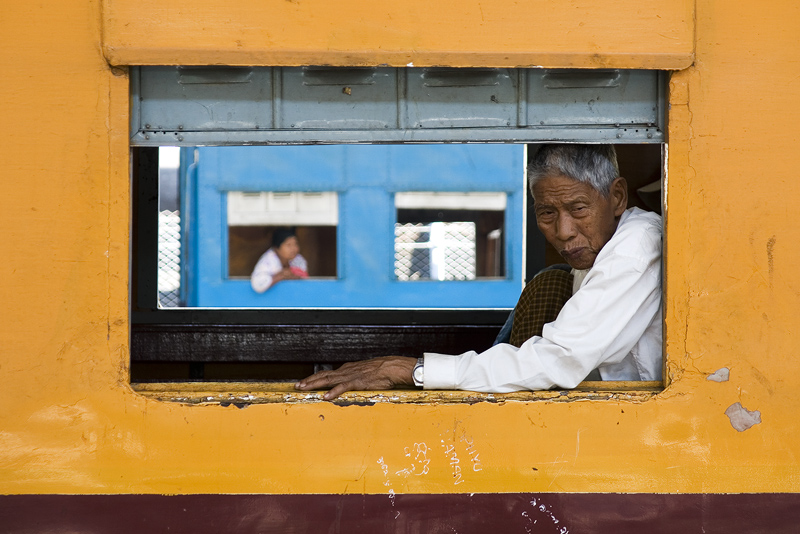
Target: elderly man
(612, 321)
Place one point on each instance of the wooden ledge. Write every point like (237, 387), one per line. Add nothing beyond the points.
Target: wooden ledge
(241, 394)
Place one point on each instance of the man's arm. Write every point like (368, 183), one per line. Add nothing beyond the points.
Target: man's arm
(376, 374)
(600, 324)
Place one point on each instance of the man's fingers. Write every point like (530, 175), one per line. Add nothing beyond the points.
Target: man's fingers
(376, 374)
(338, 390)
(325, 379)
(319, 380)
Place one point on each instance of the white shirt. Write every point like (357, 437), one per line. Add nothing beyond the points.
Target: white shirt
(612, 323)
(269, 264)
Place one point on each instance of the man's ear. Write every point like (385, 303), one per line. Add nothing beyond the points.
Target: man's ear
(619, 196)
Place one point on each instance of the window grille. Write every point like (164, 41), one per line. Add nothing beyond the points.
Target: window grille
(169, 258)
(438, 251)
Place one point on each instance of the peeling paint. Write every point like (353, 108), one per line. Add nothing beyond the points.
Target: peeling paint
(720, 375)
(742, 418)
(238, 393)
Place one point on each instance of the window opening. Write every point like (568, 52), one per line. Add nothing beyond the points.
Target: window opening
(184, 341)
(194, 344)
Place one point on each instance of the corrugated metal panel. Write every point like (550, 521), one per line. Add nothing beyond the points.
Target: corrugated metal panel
(204, 99)
(296, 105)
(328, 98)
(461, 98)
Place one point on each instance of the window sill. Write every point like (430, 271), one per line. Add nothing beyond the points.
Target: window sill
(242, 394)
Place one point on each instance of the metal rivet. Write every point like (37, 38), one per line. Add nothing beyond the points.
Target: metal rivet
(649, 136)
(147, 137)
(619, 135)
(147, 126)
(180, 127)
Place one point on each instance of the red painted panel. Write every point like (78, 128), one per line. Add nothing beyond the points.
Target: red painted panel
(377, 514)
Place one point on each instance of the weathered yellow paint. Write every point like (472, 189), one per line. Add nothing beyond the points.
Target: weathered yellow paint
(72, 424)
(651, 34)
(242, 393)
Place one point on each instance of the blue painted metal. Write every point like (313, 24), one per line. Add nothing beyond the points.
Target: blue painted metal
(365, 177)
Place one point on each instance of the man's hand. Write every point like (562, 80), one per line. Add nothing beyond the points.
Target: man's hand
(375, 374)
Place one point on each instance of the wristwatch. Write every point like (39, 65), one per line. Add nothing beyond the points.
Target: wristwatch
(418, 375)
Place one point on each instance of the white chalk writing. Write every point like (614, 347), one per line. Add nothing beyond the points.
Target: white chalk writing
(472, 453)
(387, 482)
(419, 460)
(451, 454)
(541, 507)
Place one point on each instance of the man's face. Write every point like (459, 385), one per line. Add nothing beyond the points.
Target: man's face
(575, 218)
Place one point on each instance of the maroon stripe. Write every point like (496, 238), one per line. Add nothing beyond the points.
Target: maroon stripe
(377, 514)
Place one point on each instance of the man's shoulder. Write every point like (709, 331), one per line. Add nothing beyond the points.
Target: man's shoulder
(639, 233)
(639, 217)
(638, 221)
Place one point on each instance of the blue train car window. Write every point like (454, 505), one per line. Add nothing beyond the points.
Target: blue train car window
(449, 236)
(258, 219)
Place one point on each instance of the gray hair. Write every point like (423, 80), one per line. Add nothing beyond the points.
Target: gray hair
(595, 165)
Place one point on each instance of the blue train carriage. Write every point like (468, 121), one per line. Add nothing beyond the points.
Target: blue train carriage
(382, 226)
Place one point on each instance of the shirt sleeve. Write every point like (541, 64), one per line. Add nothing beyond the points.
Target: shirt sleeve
(267, 266)
(600, 324)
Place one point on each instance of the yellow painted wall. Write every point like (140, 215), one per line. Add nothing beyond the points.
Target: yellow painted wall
(654, 34)
(70, 422)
